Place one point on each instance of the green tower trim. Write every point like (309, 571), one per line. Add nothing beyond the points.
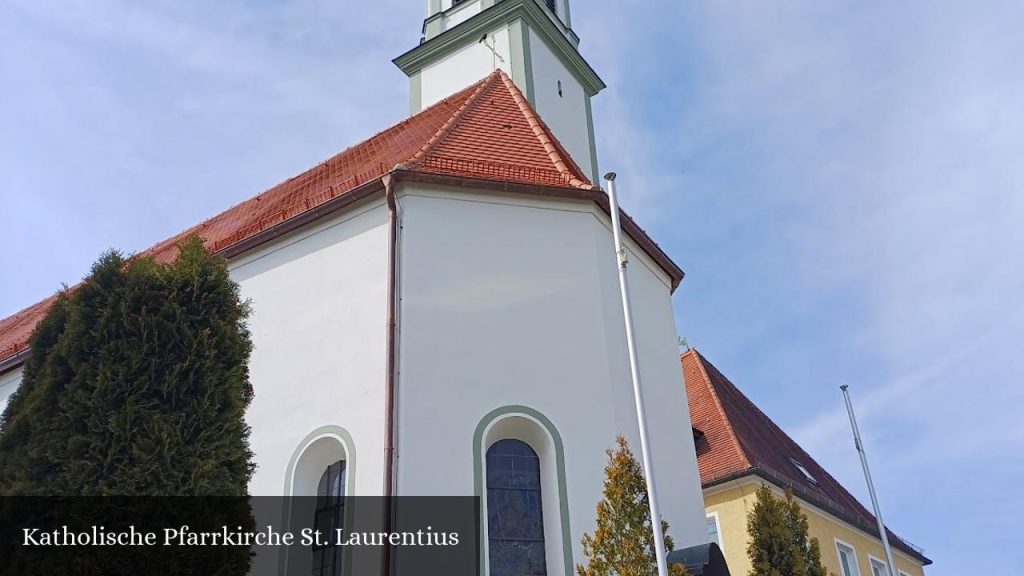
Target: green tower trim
(502, 13)
(595, 173)
(522, 59)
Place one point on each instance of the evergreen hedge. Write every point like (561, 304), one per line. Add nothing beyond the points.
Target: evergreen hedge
(136, 384)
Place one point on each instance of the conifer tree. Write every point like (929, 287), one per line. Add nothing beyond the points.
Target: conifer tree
(779, 538)
(623, 543)
(136, 384)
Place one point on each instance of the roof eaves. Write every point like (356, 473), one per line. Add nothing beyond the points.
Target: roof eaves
(339, 202)
(14, 359)
(593, 194)
(833, 508)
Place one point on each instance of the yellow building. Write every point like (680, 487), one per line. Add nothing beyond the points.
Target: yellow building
(739, 448)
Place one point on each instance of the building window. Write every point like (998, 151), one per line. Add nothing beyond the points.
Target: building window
(515, 523)
(552, 7)
(803, 470)
(847, 559)
(712, 527)
(329, 517)
(878, 567)
(6, 390)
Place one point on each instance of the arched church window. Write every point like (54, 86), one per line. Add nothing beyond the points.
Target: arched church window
(515, 523)
(330, 516)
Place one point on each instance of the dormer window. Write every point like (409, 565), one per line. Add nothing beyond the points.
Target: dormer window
(803, 470)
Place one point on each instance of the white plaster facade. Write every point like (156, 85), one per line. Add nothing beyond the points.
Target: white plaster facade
(319, 333)
(506, 300)
(513, 301)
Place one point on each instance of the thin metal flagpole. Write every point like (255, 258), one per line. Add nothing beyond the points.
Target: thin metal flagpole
(871, 485)
(634, 369)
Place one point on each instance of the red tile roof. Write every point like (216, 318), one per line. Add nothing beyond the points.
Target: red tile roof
(740, 440)
(487, 132)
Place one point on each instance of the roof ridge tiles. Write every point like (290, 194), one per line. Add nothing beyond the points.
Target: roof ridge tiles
(562, 161)
(740, 450)
(307, 172)
(452, 122)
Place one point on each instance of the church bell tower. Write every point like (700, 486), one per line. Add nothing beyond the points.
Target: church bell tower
(532, 41)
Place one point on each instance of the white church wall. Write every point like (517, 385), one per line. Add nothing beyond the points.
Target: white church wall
(514, 302)
(9, 383)
(565, 114)
(668, 411)
(465, 67)
(318, 329)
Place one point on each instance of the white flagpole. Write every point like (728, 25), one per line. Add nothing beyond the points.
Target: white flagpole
(867, 476)
(634, 369)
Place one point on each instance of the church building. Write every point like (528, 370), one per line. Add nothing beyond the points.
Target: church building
(438, 306)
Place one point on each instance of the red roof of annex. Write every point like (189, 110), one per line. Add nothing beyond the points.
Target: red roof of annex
(739, 440)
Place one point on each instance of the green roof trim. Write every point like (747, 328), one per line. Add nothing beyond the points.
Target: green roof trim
(503, 13)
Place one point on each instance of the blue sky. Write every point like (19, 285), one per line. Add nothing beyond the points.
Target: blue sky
(842, 182)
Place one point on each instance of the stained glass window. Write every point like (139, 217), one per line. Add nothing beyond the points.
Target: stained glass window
(515, 522)
(330, 516)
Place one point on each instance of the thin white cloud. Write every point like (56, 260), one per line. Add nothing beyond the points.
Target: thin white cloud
(132, 121)
(869, 157)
